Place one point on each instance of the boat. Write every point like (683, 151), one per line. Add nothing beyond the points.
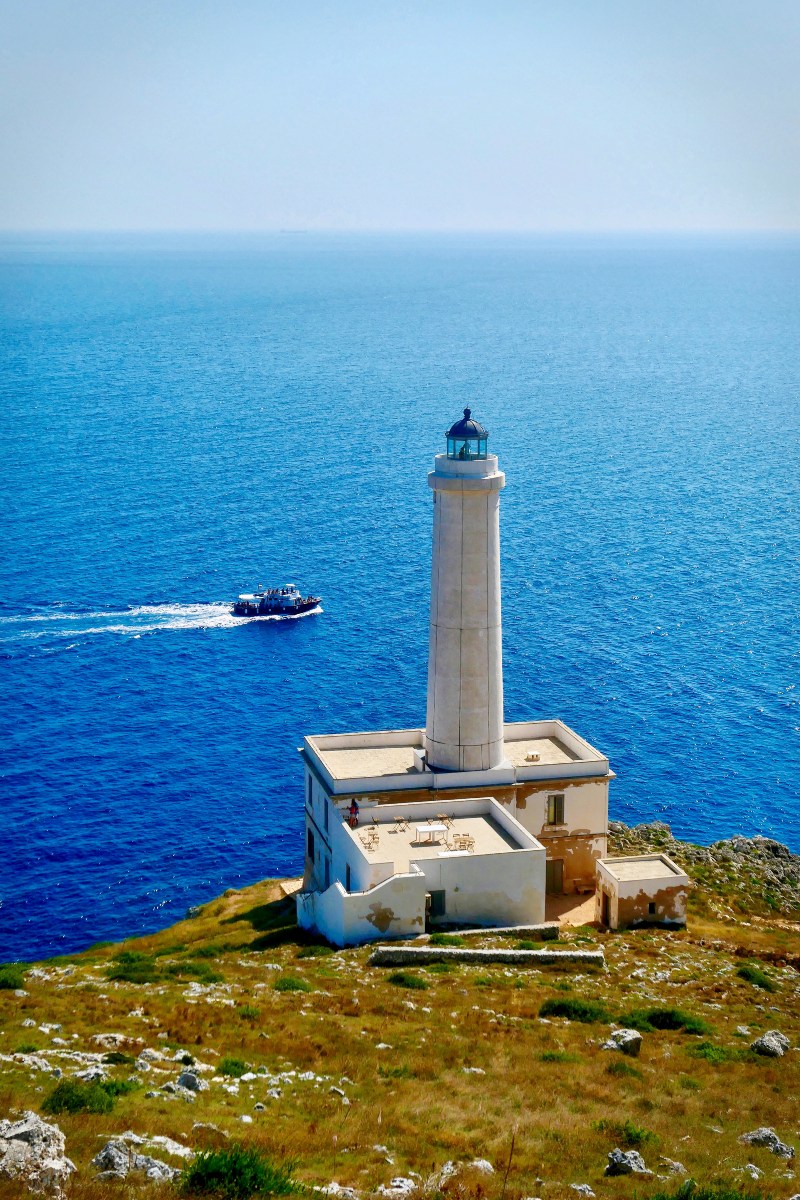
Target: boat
(286, 601)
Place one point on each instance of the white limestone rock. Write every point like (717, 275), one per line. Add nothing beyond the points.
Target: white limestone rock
(32, 1152)
(116, 1160)
(582, 1189)
(772, 1044)
(192, 1082)
(401, 1185)
(672, 1167)
(627, 1041)
(768, 1138)
(482, 1165)
(626, 1162)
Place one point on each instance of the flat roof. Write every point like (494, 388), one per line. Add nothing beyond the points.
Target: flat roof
(405, 846)
(550, 750)
(369, 761)
(641, 866)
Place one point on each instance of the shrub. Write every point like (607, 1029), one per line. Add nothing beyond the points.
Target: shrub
(133, 967)
(26, 1048)
(446, 939)
(207, 952)
(625, 1132)
(290, 983)
(442, 968)
(12, 977)
(574, 1009)
(187, 1060)
(115, 1058)
(72, 1095)
(407, 979)
(234, 1067)
(237, 1172)
(621, 1068)
(197, 970)
(647, 1020)
(712, 1053)
(753, 974)
(320, 951)
(558, 1056)
(119, 1087)
(248, 1012)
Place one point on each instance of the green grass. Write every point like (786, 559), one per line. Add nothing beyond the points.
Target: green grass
(27, 1048)
(131, 966)
(195, 970)
(447, 939)
(317, 950)
(236, 1172)
(625, 1133)
(73, 1096)
(713, 1191)
(234, 1067)
(403, 1072)
(647, 1020)
(12, 977)
(290, 983)
(753, 974)
(712, 1053)
(115, 1058)
(407, 979)
(575, 1009)
(558, 1056)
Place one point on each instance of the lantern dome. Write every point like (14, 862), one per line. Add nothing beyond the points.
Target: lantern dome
(467, 438)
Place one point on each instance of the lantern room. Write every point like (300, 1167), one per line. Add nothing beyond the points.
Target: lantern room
(467, 439)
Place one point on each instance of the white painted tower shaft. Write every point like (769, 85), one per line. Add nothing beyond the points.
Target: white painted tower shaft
(464, 724)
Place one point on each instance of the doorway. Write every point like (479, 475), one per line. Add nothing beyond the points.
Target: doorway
(554, 877)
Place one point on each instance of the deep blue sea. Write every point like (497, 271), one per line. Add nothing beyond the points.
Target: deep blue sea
(187, 418)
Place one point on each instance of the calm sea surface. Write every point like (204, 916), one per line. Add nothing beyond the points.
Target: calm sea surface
(184, 419)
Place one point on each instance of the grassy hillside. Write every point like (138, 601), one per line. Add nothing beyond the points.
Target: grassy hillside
(443, 1063)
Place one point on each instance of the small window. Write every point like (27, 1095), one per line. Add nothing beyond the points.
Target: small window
(325, 807)
(651, 909)
(347, 878)
(437, 908)
(311, 844)
(309, 791)
(555, 809)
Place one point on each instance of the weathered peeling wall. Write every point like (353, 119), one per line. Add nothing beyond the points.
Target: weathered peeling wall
(489, 889)
(669, 903)
(395, 908)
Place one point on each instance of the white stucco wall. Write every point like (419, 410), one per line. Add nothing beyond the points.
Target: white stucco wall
(395, 908)
(489, 889)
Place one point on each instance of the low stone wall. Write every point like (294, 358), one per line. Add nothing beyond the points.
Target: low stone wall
(536, 933)
(409, 956)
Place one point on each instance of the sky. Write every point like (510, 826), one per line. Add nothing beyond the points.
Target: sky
(506, 115)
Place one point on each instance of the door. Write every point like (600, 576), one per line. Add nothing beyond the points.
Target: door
(554, 876)
(604, 909)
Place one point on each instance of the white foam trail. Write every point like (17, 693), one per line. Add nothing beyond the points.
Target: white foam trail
(144, 618)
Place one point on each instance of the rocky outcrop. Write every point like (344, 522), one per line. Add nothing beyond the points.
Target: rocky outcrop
(117, 1159)
(628, 1041)
(32, 1152)
(770, 1140)
(727, 866)
(771, 1044)
(626, 1162)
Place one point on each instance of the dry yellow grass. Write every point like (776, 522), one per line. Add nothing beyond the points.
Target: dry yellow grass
(546, 1082)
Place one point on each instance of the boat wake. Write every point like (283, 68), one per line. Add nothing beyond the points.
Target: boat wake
(56, 623)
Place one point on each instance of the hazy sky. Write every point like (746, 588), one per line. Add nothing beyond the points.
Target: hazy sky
(400, 114)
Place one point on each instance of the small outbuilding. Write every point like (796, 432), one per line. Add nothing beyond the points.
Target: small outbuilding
(640, 889)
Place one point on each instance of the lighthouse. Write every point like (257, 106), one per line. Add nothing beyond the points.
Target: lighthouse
(464, 723)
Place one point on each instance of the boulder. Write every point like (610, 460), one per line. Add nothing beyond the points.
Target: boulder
(772, 1044)
(583, 1189)
(192, 1082)
(116, 1160)
(482, 1165)
(32, 1152)
(768, 1138)
(626, 1162)
(401, 1185)
(672, 1167)
(628, 1041)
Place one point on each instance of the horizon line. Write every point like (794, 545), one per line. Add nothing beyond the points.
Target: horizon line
(563, 231)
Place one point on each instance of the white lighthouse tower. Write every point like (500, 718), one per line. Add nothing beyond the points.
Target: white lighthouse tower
(464, 725)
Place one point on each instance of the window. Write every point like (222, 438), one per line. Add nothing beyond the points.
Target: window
(651, 909)
(325, 807)
(309, 791)
(311, 844)
(555, 809)
(347, 877)
(437, 908)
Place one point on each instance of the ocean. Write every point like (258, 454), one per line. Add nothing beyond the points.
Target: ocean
(185, 418)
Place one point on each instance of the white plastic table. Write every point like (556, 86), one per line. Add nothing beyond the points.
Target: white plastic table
(430, 832)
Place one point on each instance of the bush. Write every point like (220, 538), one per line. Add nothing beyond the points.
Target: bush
(133, 967)
(197, 970)
(558, 1056)
(115, 1058)
(237, 1172)
(248, 1012)
(712, 1053)
(446, 939)
(623, 1069)
(27, 1048)
(12, 977)
(647, 1020)
(586, 1011)
(72, 1095)
(753, 974)
(290, 983)
(406, 979)
(207, 952)
(234, 1067)
(625, 1133)
(320, 950)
